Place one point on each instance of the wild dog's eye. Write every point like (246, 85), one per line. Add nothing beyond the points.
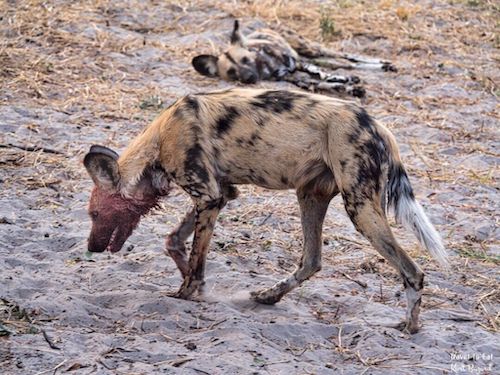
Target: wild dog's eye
(245, 60)
(231, 74)
(94, 215)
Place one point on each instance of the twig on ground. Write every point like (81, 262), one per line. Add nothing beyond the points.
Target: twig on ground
(359, 282)
(31, 148)
(49, 341)
(54, 369)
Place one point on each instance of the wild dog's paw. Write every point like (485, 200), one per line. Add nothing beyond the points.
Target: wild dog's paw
(407, 327)
(389, 67)
(356, 91)
(266, 297)
(188, 288)
(354, 79)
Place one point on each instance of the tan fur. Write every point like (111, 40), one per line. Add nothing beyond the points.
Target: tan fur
(317, 145)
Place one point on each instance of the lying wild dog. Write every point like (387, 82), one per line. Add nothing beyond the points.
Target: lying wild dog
(209, 142)
(266, 55)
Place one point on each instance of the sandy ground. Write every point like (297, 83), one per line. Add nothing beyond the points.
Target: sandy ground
(75, 75)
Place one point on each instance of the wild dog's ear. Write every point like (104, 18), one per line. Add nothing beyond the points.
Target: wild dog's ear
(236, 37)
(101, 164)
(206, 65)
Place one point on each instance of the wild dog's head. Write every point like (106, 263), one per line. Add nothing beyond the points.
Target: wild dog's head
(237, 63)
(115, 215)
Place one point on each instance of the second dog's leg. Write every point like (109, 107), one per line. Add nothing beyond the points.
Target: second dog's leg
(313, 209)
(316, 72)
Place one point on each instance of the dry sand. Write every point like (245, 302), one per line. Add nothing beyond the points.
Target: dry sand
(77, 74)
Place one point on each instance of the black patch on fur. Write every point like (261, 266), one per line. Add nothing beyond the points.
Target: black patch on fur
(254, 138)
(232, 75)
(192, 103)
(343, 164)
(407, 283)
(261, 180)
(276, 101)
(216, 203)
(284, 180)
(399, 185)
(352, 206)
(364, 120)
(371, 157)
(225, 122)
(365, 123)
(193, 165)
(370, 164)
(230, 58)
(260, 121)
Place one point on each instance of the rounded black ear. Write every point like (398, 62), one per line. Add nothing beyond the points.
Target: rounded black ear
(206, 65)
(102, 166)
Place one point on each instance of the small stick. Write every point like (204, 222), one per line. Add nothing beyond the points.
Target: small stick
(52, 369)
(216, 324)
(47, 338)
(338, 237)
(359, 282)
(179, 362)
(265, 219)
(105, 365)
(31, 148)
(340, 340)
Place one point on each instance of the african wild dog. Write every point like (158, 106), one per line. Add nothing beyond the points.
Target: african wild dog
(208, 143)
(266, 55)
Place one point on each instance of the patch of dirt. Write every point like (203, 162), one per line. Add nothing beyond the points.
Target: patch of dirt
(73, 74)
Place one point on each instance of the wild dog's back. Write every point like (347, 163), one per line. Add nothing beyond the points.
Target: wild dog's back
(275, 139)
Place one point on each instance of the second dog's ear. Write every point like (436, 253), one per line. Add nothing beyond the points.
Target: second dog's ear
(236, 37)
(206, 65)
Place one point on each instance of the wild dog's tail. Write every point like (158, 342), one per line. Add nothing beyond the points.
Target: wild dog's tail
(409, 212)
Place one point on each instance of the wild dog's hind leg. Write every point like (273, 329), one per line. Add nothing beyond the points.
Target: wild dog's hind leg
(370, 220)
(313, 209)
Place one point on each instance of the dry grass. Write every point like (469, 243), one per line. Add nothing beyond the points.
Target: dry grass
(57, 54)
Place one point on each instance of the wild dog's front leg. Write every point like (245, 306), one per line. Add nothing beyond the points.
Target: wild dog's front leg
(175, 242)
(316, 72)
(304, 81)
(205, 218)
(313, 209)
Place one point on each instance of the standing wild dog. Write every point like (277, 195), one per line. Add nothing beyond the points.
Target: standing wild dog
(266, 55)
(207, 143)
